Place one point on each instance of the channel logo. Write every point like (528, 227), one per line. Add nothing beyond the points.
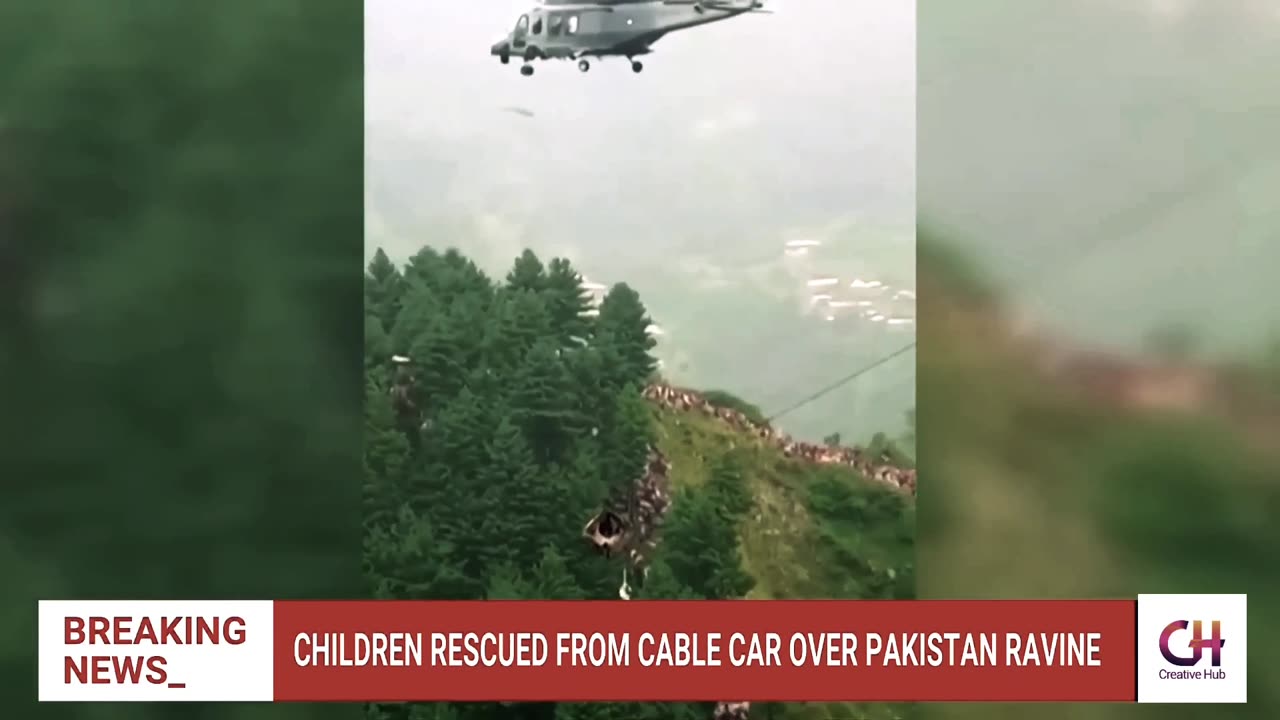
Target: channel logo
(1198, 643)
(1187, 660)
(1196, 646)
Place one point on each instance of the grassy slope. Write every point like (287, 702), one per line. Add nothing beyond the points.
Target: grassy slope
(1098, 503)
(789, 547)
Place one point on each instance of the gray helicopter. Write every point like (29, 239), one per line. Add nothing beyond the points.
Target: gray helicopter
(580, 29)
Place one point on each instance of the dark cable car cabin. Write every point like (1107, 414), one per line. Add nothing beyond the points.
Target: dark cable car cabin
(605, 532)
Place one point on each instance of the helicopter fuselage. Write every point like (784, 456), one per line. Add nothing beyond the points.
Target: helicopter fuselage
(627, 29)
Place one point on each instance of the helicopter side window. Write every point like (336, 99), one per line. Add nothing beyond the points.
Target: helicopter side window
(537, 26)
(573, 24)
(554, 24)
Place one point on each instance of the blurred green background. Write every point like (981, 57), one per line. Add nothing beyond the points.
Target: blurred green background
(180, 313)
(1099, 397)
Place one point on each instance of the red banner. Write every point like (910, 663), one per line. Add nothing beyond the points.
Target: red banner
(1013, 650)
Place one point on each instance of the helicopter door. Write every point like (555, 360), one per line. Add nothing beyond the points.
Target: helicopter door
(520, 35)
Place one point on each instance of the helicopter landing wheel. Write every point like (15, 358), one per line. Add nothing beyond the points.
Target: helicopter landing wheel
(504, 58)
(636, 66)
(583, 65)
(526, 70)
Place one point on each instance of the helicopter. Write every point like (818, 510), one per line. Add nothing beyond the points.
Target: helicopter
(581, 29)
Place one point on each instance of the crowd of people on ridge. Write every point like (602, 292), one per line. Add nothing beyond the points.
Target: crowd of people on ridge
(682, 400)
(880, 469)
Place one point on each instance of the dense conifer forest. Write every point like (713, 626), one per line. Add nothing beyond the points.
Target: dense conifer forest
(501, 415)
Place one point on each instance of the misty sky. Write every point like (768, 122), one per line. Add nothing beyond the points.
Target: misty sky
(684, 181)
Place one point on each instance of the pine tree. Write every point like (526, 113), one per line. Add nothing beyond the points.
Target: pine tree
(623, 326)
(568, 302)
(421, 307)
(446, 484)
(448, 347)
(584, 478)
(544, 402)
(450, 276)
(423, 266)
(625, 441)
(589, 371)
(455, 438)
(386, 457)
(377, 343)
(552, 580)
(518, 321)
(527, 273)
(406, 560)
(506, 582)
(384, 289)
(525, 505)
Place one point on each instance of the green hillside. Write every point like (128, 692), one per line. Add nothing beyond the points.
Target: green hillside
(812, 531)
(498, 415)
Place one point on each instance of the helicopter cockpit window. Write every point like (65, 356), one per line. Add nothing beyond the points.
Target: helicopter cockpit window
(522, 25)
(573, 24)
(537, 26)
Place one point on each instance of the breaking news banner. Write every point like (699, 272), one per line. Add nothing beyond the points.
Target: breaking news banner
(1162, 648)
